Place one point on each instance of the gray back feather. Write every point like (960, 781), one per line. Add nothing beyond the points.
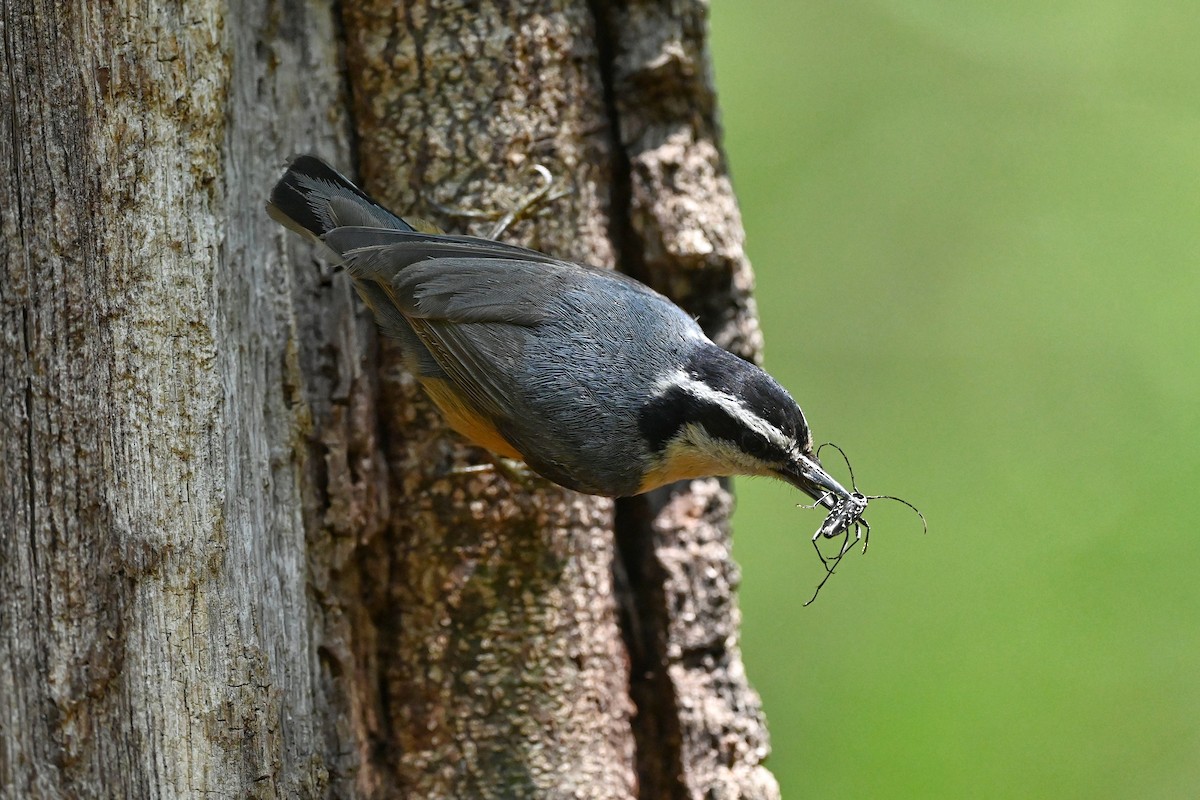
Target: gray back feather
(553, 352)
(559, 356)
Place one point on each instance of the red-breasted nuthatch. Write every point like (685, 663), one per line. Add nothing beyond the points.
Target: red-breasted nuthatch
(594, 380)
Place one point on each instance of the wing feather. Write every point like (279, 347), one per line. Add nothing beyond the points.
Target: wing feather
(473, 315)
(475, 305)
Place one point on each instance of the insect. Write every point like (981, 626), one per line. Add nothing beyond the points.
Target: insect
(846, 514)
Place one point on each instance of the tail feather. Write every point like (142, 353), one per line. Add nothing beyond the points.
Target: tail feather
(312, 198)
(318, 202)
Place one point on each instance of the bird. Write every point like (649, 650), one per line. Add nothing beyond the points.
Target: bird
(590, 378)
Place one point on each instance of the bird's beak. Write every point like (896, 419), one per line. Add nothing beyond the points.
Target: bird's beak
(805, 472)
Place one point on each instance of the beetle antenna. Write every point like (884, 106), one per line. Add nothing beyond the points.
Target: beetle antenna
(853, 483)
(924, 524)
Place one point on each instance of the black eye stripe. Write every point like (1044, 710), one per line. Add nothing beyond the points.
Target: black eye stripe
(720, 423)
(731, 400)
(664, 417)
(754, 389)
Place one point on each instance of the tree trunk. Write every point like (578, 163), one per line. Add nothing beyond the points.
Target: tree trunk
(236, 555)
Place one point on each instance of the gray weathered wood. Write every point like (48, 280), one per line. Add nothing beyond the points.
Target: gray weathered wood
(157, 630)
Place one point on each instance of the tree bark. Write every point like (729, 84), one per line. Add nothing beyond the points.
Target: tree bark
(700, 728)
(237, 557)
(162, 371)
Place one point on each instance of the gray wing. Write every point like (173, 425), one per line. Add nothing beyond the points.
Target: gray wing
(375, 257)
(474, 315)
(544, 348)
(464, 307)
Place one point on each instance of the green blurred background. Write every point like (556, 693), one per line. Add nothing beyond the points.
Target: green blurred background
(976, 230)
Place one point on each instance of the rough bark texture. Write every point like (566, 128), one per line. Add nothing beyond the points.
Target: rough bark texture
(700, 727)
(236, 557)
(158, 629)
(505, 671)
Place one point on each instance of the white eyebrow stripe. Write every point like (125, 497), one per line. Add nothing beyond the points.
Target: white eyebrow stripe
(730, 404)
